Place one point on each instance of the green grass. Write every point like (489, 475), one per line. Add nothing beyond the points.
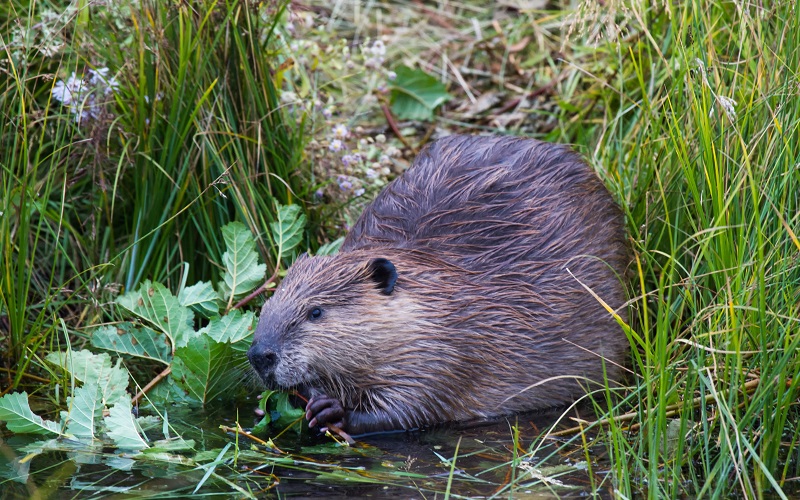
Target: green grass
(193, 137)
(711, 201)
(196, 135)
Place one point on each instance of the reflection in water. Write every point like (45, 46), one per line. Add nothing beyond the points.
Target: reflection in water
(406, 465)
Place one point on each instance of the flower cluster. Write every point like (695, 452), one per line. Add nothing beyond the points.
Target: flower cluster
(375, 54)
(85, 95)
(349, 162)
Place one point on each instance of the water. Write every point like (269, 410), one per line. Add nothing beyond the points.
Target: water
(400, 465)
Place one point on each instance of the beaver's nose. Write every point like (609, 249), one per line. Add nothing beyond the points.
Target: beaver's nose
(262, 358)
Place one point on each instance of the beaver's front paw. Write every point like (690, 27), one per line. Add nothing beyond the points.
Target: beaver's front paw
(322, 411)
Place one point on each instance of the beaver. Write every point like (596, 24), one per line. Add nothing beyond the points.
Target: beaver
(458, 295)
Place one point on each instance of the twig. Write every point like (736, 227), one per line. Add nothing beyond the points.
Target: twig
(342, 434)
(257, 291)
(26, 375)
(238, 430)
(393, 125)
(151, 384)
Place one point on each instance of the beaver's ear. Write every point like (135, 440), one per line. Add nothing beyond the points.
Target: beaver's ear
(384, 274)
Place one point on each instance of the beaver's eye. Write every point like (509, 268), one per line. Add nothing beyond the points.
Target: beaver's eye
(315, 313)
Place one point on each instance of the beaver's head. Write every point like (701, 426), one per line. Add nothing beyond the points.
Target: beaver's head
(325, 320)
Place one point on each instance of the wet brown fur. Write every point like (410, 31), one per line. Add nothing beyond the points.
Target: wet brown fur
(482, 232)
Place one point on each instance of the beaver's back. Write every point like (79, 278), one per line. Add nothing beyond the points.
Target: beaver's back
(460, 294)
(496, 204)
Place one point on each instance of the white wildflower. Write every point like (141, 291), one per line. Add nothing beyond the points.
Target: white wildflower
(340, 131)
(336, 145)
(70, 91)
(98, 76)
(358, 192)
(80, 94)
(378, 49)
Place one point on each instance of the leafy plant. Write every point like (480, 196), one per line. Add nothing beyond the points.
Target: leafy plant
(102, 391)
(416, 94)
(200, 364)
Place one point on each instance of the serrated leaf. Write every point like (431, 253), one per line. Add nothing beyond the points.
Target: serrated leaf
(171, 445)
(201, 298)
(125, 338)
(89, 368)
(415, 94)
(233, 327)
(287, 230)
(282, 411)
(242, 273)
(277, 410)
(203, 369)
(85, 408)
(331, 247)
(121, 426)
(158, 307)
(18, 416)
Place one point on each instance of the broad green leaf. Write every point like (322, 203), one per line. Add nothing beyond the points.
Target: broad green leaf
(282, 412)
(71, 446)
(242, 273)
(171, 445)
(18, 416)
(201, 298)
(166, 392)
(277, 411)
(287, 230)
(88, 367)
(233, 327)
(85, 409)
(142, 342)
(156, 305)
(416, 94)
(121, 426)
(203, 369)
(331, 247)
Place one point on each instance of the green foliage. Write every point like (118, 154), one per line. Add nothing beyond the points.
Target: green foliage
(124, 176)
(200, 298)
(122, 426)
(202, 369)
(18, 416)
(102, 388)
(330, 248)
(139, 341)
(287, 230)
(94, 369)
(242, 271)
(416, 94)
(85, 410)
(204, 363)
(156, 306)
(278, 412)
(233, 327)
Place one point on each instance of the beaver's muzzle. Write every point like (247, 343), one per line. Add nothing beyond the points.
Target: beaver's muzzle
(263, 359)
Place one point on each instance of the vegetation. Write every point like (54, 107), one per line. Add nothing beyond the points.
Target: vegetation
(132, 132)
